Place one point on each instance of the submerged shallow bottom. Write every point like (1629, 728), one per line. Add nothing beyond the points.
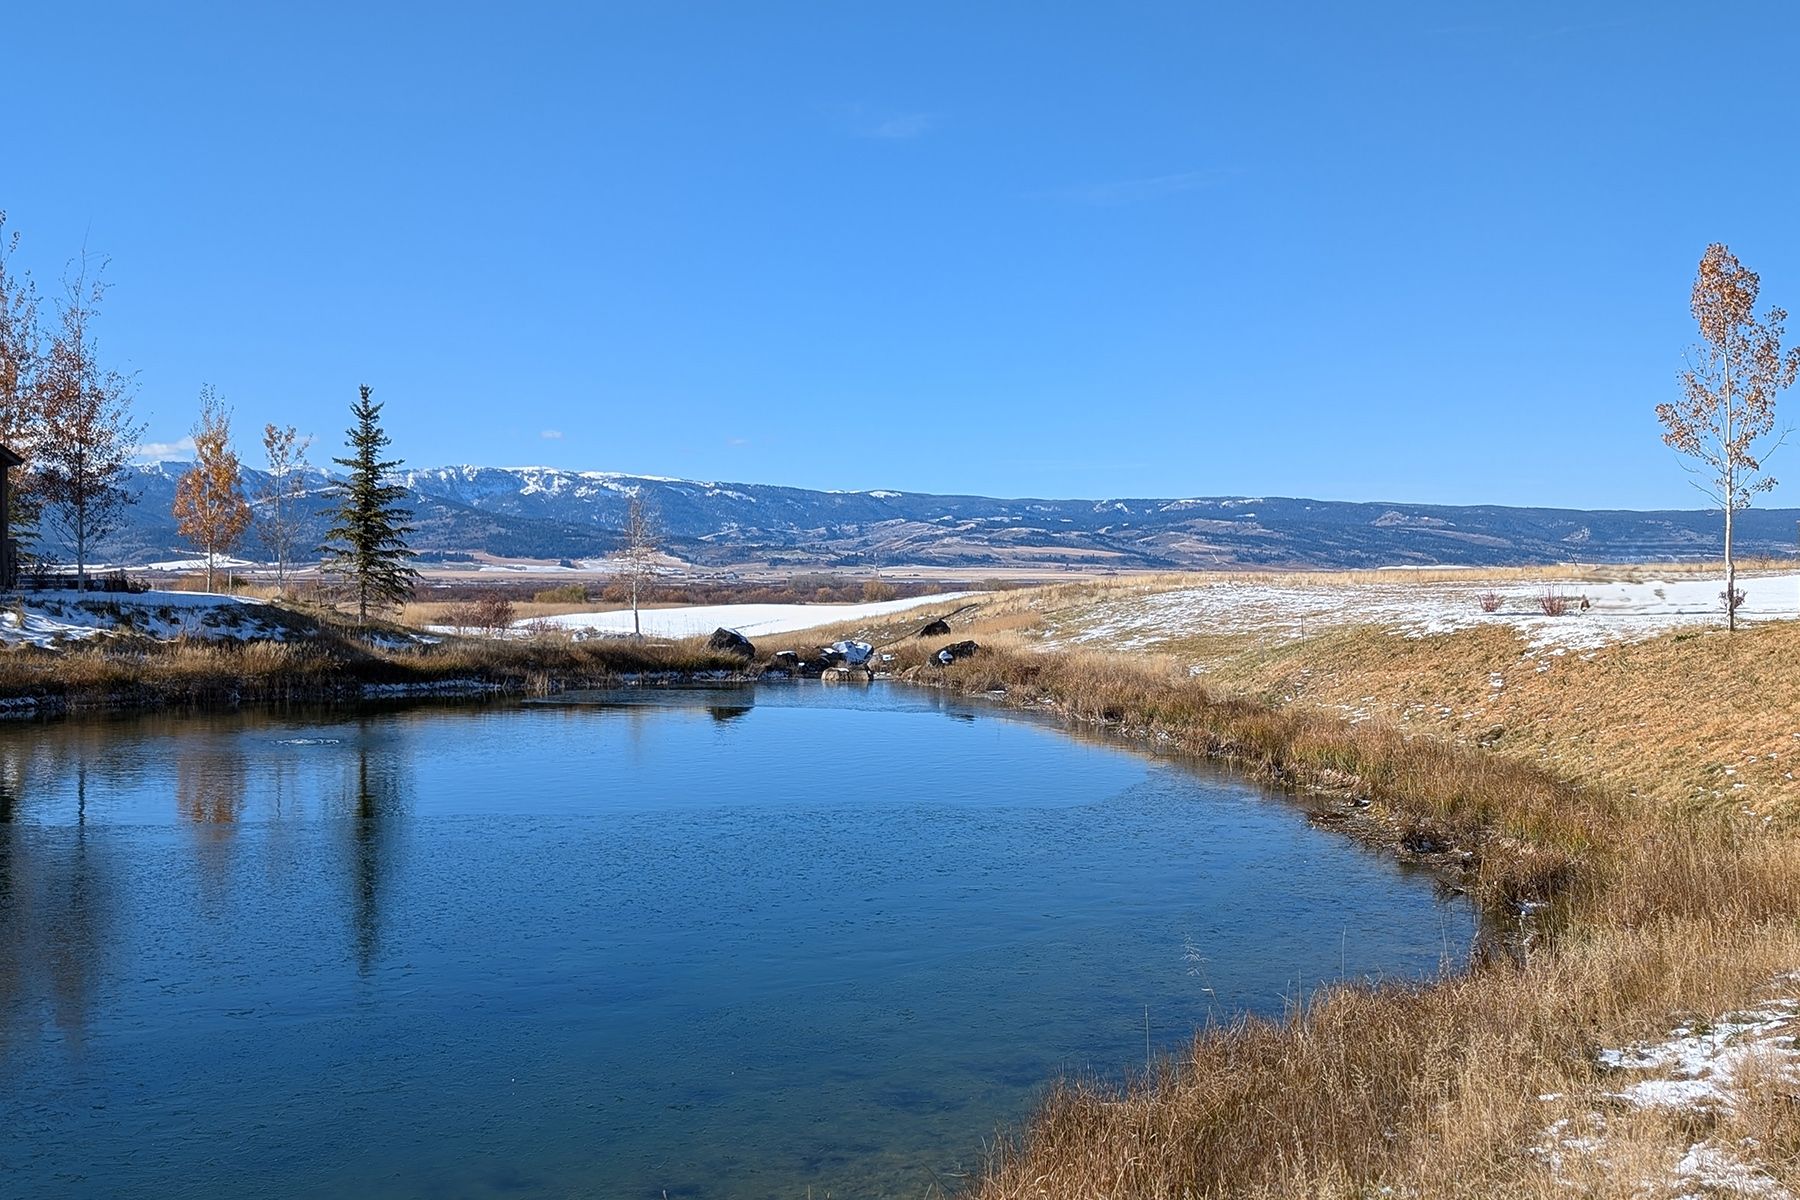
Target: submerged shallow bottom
(703, 944)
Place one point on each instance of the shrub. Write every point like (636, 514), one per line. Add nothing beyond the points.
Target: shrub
(490, 613)
(1553, 603)
(567, 593)
(1489, 601)
(1732, 599)
(874, 591)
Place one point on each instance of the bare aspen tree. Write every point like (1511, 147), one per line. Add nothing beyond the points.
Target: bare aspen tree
(21, 418)
(639, 554)
(283, 496)
(1726, 417)
(88, 434)
(210, 509)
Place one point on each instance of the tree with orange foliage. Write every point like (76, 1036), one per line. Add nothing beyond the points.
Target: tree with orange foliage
(210, 508)
(1726, 418)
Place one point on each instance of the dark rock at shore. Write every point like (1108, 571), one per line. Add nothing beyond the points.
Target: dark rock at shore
(730, 641)
(956, 651)
(938, 628)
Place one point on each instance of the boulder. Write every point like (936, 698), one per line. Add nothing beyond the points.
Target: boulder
(787, 660)
(956, 651)
(938, 628)
(730, 641)
(830, 656)
(855, 653)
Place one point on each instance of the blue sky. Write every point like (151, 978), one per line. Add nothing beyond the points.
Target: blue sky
(1433, 252)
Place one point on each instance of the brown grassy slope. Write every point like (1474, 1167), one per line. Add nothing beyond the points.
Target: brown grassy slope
(1665, 911)
(1692, 717)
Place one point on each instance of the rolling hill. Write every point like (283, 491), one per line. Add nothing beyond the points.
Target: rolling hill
(546, 513)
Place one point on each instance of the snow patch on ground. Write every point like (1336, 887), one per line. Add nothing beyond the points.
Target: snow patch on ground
(1693, 1070)
(199, 564)
(1616, 611)
(751, 620)
(52, 619)
(1696, 1066)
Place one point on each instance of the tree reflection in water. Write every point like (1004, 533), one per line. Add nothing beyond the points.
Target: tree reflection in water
(375, 804)
(55, 909)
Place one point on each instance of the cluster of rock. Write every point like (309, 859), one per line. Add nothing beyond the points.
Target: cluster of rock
(839, 656)
(840, 659)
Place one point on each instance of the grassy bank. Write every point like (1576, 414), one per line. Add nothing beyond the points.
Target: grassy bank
(320, 657)
(1656, 916)
(1640, 912)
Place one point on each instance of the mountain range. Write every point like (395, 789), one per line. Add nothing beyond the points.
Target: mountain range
(551, 514)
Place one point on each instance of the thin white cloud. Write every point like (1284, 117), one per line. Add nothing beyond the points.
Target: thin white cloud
(1149, 187)
(151, 452)
(884, 124)
(551, 435)
(897, 128)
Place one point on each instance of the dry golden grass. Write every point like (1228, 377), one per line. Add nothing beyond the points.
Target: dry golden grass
(1660, 909)
(1689, 717)
(325, 656)
(422, 614)
(1657, 912)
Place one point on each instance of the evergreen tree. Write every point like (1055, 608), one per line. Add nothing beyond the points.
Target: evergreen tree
(366, 545)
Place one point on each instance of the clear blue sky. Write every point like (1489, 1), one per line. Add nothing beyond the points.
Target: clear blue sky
(1410, 251)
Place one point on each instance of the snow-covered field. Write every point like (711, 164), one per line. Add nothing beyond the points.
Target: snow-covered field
(50, 619)
(751, 620)
(1615, 611)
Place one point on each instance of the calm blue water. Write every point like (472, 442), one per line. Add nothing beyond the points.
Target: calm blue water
(703, 943)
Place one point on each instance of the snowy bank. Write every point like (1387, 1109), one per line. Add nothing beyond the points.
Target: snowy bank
(1615, 611)
(51, 619)
(751, 620)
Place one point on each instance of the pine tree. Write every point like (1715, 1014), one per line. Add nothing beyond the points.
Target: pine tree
(210, 509)
(366, 544)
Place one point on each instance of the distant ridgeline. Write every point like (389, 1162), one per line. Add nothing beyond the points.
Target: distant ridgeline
(528, 512)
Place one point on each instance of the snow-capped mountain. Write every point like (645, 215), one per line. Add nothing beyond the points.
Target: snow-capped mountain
(548, 513)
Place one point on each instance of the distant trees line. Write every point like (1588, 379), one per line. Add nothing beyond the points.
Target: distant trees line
(69, 417)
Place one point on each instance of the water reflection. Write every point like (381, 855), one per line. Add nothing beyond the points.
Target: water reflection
(619, 948)
(375, 799)
(56, 908)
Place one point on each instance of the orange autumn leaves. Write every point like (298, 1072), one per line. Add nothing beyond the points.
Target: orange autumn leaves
(210, 509)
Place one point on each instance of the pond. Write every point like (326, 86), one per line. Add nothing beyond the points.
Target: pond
(704, 943)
